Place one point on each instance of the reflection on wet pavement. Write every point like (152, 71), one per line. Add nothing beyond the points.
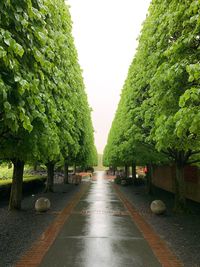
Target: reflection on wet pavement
(100, 233)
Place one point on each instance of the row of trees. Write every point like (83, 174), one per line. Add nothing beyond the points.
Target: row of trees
(158, 116)
(44, 112)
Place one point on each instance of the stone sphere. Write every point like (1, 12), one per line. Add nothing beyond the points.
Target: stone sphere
(42, 204)
(158, 207)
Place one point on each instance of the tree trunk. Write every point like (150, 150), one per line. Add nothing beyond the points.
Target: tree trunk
(74, 168)
(180, 201)
(35, 166)
(126, 171)
(149, 186)
(17, 183)
(133, 172)
(66, 175)
(50, 176)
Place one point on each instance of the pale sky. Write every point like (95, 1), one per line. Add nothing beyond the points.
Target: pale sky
(105, 33)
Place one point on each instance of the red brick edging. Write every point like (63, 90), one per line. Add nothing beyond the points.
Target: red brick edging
(164, 255)
(34, 256)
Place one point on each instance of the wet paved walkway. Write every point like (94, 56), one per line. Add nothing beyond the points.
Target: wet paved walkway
(100, 233)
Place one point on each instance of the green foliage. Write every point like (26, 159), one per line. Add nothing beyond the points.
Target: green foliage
(158, 113)
(44, 109)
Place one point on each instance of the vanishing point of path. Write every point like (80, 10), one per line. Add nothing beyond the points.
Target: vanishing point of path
(97, 230)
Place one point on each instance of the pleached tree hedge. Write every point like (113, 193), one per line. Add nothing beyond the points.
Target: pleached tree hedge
(161, 92)
(43, 101)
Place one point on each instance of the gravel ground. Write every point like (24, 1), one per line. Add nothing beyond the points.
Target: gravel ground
(19, 229)
(181, 232)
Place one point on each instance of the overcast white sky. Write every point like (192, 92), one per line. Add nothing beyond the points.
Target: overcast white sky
(105, 33)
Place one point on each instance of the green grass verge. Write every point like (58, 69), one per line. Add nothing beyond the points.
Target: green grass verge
(26, 178)
(6, 175)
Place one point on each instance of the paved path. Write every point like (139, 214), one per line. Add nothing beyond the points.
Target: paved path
(100, 233)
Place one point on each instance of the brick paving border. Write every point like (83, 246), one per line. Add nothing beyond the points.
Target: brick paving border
(162, 252)
(34, 256)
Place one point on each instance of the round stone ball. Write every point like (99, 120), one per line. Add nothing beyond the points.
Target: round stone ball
(158, 207)
(42, 204)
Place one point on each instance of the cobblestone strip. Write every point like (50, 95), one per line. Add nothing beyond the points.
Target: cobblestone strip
(34, 256)
(164, 255)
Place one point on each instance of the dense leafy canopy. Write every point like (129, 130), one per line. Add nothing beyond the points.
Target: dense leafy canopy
(44, 109)
(44, 112)
(159, 107)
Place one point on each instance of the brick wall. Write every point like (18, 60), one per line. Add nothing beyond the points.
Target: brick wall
(163, 177)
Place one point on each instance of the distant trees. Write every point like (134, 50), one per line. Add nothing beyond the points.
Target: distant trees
(44, 112)
(159, 109)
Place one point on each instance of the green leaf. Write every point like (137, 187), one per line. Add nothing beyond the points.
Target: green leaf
(26, 124)
(2, 52)
(7, 106)
(18, 49)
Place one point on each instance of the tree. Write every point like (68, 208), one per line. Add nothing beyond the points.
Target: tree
(161, 92)
(171, 83)
(22, 35)
(40, 84)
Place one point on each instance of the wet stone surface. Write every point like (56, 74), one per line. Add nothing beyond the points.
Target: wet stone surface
(100, 233)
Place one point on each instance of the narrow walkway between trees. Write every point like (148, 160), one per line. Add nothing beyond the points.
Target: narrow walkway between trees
(98, 229)
(99, 233)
